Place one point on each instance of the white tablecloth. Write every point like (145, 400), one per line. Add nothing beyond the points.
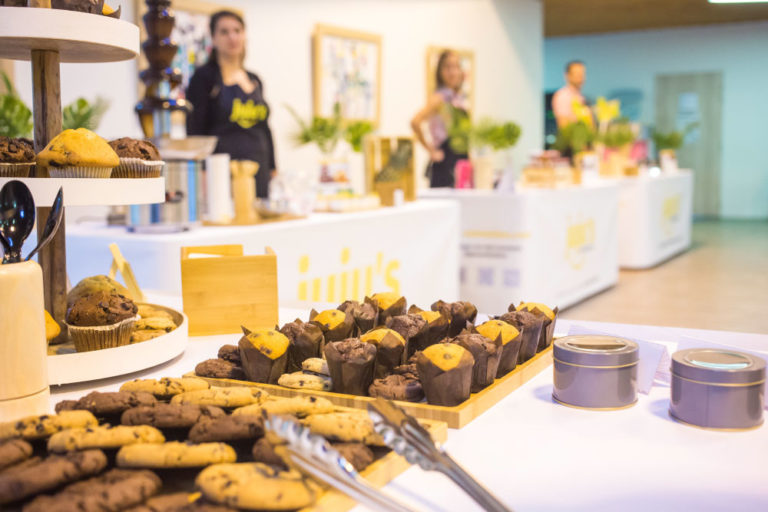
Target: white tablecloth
(655, 215)
(540, 456)
(555, 246)
(328, 258)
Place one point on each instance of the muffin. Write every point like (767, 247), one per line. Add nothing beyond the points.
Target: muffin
(445, 372)
(351, 364)
(78, 153)
(548, 315)
(101, 320)
(390, 350)
(509, 337)
(389, 305)
(336, 325)
(306, 341)
(459, 314)
(529, 326)
(364, 314)
(263, 354)
(138, 158)
(95, 284)
(17, 157)
(486, 353)
(435, 330)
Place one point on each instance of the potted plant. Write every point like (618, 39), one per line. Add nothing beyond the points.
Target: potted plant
(617, 138)
(667, 145)
(325, 133)
(483, 140)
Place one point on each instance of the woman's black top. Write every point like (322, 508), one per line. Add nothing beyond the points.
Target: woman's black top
(237, 118)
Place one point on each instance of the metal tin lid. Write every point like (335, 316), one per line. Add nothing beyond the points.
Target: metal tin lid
(718, 366)
(594, 350)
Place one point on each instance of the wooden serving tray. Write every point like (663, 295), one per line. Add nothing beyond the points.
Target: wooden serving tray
(455, 417)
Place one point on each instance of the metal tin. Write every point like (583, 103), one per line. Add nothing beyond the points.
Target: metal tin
(595, 372)
(717, 389)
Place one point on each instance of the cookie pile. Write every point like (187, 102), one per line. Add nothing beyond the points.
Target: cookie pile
(172, 444)
(382, 348)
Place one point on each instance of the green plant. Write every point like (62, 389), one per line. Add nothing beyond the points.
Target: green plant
(577, 137)
(15, 116)
(617, 134)
(488, 133)
(355, 132)
(326, 132)
(83, 114)
(671, 140)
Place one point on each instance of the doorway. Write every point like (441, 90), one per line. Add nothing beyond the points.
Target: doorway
(695, 100)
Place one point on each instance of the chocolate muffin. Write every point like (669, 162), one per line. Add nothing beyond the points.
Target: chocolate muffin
(529, 326)
(306, 341)
(408, 326)
(17, 157)
(459, 313)
(548, 316)
(351, 365)
(486, 353)
(101, 320)
(264, 354)
(435, 331)
(389, 304)
(336, 325)
(126, 147)
(509, 337)
(365, 314)
(397, 387)
(445, 372)
(390, 350)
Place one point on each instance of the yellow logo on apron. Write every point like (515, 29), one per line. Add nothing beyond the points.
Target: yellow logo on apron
(247, 114)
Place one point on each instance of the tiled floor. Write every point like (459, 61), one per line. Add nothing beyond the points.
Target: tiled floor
(720, 283)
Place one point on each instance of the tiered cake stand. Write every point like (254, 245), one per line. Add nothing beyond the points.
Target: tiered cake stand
(48, 37)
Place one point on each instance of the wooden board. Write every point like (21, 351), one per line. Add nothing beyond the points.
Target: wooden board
(455, 417)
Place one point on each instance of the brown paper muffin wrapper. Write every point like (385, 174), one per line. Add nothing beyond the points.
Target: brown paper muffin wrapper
(138, 168)
(529, 343)
(486, 363)
(389, 354)
(306, 341)
(341, 332)
(446, 388)
(98, 337)
(547, 332)
(350, 377)
(80, 172)
(509, 356)
(396, 309)
(257, 366)
(15, 170)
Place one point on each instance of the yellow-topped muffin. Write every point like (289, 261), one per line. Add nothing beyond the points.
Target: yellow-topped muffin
(264, 354)
(492, 329)
(78, 153)
(335, 324)
(445, 372)
(530, 306)
(375, 336)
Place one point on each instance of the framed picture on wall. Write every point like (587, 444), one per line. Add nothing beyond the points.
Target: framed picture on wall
(346, 70)
(467, 62)
(190, 33)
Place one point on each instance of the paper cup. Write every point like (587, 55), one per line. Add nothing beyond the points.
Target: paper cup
(138, 168)
(80, 172)
(15, 170)
(102, 336)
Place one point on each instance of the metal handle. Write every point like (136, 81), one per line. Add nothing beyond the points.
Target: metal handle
(480, 494)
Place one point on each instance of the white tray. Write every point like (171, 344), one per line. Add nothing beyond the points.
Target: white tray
(95, 191)
(112, 362)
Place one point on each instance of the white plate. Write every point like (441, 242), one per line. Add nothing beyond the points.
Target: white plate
(111, 362)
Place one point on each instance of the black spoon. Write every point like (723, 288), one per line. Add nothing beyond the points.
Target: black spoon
(51, 224)
(17, 217)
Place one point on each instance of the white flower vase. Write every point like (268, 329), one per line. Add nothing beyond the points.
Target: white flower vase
(23, 348)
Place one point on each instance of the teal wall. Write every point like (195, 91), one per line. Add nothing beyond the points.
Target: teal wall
(630, 60)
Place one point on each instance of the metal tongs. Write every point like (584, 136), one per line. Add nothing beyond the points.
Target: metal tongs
(403, 434)
(314, 456)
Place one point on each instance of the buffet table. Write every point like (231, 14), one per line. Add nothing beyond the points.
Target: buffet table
(556, 246)
(540, 456)
(325, 258)
(655, 215)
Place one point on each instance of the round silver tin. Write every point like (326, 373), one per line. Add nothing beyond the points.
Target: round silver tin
(595, 372)
(717, 389)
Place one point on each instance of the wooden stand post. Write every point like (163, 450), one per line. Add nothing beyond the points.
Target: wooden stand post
(46, 87)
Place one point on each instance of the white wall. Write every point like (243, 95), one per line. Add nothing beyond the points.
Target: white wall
(739, 51)
(506, 36)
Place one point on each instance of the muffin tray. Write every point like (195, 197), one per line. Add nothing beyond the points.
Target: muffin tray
(456, 417)
(65, 366)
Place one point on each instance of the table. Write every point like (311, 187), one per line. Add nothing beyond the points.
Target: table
(540, 456)
(556, 246)
(325, 258)
(655, 217)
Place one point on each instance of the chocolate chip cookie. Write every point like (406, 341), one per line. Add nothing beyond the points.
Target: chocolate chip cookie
(223, 397)
(219, 369)
(169, 416)
(230, 353)
(109, 403)
(103, 437)
(397, 387)
(299, 406)
(39, 427)
(227, 428)
(14, 451)
(348, 427)
(357, 454)
(166, 387)
(174, 455)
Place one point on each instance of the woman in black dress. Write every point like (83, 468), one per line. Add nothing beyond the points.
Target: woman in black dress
(228, 101)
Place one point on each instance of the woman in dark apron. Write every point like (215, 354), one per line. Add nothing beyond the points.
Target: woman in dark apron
(443, 108)
(228, 101)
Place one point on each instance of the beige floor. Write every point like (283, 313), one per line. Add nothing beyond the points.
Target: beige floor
(720, 283)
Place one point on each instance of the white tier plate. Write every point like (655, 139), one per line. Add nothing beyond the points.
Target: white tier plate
(95, 191)
(77, 36)
(112, 362)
